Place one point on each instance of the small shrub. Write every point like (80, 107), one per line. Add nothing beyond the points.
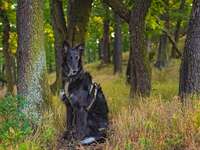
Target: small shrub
(14, 126)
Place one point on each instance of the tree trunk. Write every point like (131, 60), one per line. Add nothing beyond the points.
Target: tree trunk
(177, 32)
(140, 72)
(106, 39)
(60, 32)
(128, 69)
(117, 57)
(32, 73)
(78, 17)
(190, 68)
(162, 50)
(9, 59)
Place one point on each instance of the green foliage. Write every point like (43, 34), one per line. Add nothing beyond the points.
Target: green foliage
(49, 47)
(95, 31)
(16, 130)
(145, 143)
(93, 38)
(155, 19)
(125, 37)
(14, 126)
(13, 43)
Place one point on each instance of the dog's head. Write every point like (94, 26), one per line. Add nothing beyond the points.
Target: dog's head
(72, 58)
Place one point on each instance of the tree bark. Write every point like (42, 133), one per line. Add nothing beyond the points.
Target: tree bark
(106, 40)
(174, 53)
(190, 69)
(60, 32)
(140, 72)
(32, 73)
(78, 17)
(117, 54)
(128, 68)
(9, 59)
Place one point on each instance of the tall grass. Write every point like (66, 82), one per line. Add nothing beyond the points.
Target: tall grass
(159, 122)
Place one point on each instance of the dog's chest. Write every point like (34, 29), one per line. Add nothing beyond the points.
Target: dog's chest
(66, 88)
(70, 88)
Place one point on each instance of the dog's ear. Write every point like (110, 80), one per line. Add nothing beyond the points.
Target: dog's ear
(66, 47)
(80, 48)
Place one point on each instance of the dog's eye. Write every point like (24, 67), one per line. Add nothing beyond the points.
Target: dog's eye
(76, 57)
(71, 57)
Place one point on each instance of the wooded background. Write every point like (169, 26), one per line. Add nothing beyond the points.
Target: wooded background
(151, 34)
(149, 30)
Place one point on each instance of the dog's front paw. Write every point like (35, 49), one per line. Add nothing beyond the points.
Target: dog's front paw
(61, 93)
(88, 141)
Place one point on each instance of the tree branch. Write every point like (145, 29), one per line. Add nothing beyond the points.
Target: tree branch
(171, 39)
(119, 9)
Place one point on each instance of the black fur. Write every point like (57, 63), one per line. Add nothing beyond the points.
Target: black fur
(81, 122)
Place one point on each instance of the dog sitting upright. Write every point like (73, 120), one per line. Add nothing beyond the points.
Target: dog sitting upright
(87, 110)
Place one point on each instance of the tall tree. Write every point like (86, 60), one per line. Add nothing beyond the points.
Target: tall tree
(9, 58)
(190, 68)
(140, 72)
(31, 57)
(60, 33)
(117, 54)
(140, 69)
(105, 51)
(77, 18)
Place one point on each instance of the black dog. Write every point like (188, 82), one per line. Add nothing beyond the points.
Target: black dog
(87, 110)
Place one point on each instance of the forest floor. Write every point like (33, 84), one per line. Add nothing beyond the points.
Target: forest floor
(159, 122)
(155, 123)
